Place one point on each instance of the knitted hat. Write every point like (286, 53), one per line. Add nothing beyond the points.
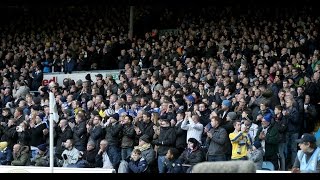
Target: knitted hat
(226, 103)
(115, 116)
(41, 115)
(267, 117)
(42, 147)
(257, 144)
(99, 75)
(232, 115)
(145, 138)
(176, 85)
(179, 101)
(190, 98)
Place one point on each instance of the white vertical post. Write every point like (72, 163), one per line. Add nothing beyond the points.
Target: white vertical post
(53, 117)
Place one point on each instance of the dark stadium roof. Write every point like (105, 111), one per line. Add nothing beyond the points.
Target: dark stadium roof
(63, 3)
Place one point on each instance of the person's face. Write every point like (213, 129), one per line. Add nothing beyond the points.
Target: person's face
(264, 123)
(38, 119)
(277, 111)
(307, 99)
(126, 120)
(68, 144)
(214, 105)
(190, 145)
(262, 107)
(16, 148)
(96, 120)
(237, 126)
(304, 146)
(145, 118)
(90, 147)
(285, 84)
(202, 107)
(4, 113)
(257, 92)
(135, 156)
(247, 124)
(61, 124)
(141, 142)
(16, 113)
(169, 155)
(213, 122)
(103, 145)
(288, 103)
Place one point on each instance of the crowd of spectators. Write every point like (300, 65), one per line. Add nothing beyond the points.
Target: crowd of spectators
(230, 84)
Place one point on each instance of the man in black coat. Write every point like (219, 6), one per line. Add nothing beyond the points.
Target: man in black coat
(165, 141)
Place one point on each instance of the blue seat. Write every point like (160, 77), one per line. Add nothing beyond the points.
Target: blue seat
(267, 165)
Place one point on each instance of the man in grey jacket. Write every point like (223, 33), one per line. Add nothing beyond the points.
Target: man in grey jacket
(217, 139)
(20, 90)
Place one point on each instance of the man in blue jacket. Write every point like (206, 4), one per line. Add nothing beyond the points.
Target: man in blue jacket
(308, 158)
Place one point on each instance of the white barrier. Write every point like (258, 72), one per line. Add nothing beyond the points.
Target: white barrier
(32, 169)
(77, 75)
(267, 171)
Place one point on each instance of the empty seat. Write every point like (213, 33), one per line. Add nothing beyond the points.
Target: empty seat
(267, 165)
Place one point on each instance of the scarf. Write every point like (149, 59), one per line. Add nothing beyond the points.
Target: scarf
(143, 147)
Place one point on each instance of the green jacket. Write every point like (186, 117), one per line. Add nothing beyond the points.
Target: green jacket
(271, 140)
(22, 158)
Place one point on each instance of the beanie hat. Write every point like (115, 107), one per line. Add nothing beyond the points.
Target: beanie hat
(163, 116)
(257, 144)
(267, 117)
(179, 101)
(166, 120)
(145, 138)
(36, 107)
(99, 75)
(232, 115)
(3, 145)
(95, 113)
(42, 147)
(176, 85)
(226, 103)
(41, 115)
(37, 100)
(190, 98)
(106, 103)
(115, 116)
(79, 82)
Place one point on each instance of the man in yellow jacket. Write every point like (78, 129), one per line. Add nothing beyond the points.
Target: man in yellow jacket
(240, 142)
